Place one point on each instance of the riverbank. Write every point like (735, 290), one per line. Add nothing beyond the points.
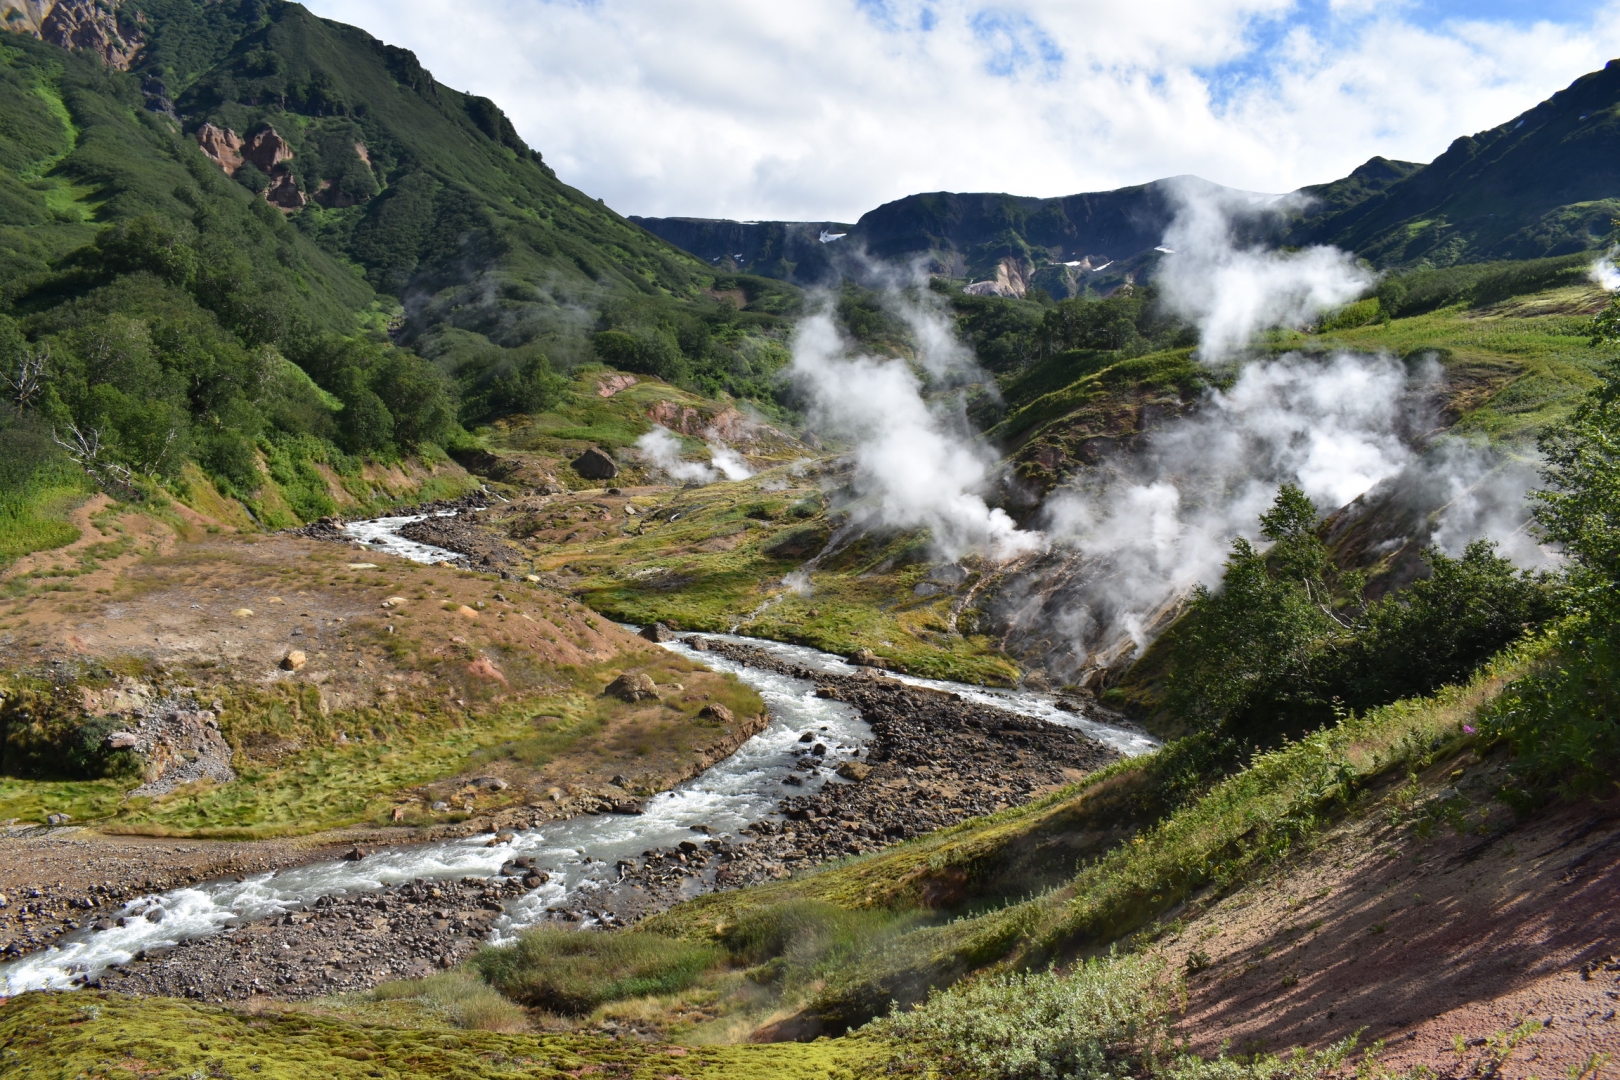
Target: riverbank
(931, 760)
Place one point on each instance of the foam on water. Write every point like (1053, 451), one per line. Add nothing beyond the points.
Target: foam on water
(382, 535)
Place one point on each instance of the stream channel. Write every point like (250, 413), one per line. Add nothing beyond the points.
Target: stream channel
(580, 853)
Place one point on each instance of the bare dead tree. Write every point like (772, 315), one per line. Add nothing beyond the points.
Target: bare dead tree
(84, 446)
(25, 379)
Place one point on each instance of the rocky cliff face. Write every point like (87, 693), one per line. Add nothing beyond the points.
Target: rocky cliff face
(266, 150)
(97, 26)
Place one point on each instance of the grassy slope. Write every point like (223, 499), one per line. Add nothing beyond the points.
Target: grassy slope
(1200, 852)
(379, 719)
(80, 1035)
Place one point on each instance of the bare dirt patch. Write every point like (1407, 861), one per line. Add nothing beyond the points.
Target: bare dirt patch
(1428, 942)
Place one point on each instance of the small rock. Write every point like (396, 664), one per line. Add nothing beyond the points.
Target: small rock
(490, 783)
(58, 819)
(294, 660)
(807, 737)
(865, 658)
(716, 711)
(394, 602)
(121, 740)
(697, 644)
(440, 807)
(354, 854)
(243, 613)
(854, 770)
(657, 632)
(534, 881)
(466, 612)
(820, 749)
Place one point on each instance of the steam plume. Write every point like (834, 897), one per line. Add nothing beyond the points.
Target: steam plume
(662, 450)
(916, 467)
(1232, 289)
(1605, 273)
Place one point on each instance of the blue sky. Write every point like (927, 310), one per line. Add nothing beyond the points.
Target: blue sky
(822, 109)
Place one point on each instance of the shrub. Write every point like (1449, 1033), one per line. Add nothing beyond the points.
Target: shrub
(1108, 1018)
(567, 971)
(465, 999)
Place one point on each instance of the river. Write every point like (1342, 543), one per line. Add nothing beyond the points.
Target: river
(579, 853)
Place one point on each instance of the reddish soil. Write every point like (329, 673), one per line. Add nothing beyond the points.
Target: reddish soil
(1424, 941)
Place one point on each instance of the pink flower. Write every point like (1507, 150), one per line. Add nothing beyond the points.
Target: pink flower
(1468, 728)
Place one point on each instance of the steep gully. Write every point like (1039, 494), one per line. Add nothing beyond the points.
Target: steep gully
(852, 761)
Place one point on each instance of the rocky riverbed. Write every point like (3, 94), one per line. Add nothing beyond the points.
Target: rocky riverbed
(933, 760)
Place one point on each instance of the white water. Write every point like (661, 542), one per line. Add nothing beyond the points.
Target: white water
(1024, 702)
(580, 854)
(382, 535)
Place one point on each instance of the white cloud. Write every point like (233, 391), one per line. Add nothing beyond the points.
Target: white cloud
(825, 108)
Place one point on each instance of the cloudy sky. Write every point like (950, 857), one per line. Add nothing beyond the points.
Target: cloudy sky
(823, 109)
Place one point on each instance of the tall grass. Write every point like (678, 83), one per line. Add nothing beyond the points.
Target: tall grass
(465, 1000)
(570, 972)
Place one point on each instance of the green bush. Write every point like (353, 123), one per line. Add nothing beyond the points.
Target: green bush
(1564, 720)
(569, 971)
(1108, 1019)
(1286, 640)
(466, 1001)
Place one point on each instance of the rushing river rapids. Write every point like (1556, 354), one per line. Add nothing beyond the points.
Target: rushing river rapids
(579, 855)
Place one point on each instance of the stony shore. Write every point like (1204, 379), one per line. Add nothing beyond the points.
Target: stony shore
(933, 760)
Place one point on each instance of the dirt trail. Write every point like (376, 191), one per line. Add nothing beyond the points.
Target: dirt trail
(1423, 942)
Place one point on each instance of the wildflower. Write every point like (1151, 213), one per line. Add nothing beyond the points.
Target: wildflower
(1469, 728)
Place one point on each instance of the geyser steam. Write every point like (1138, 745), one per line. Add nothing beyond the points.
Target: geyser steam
(662, 450)
(916, 467)
(1231, 289)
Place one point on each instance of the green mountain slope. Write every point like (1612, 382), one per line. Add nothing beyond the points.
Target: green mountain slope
(1545, 183)
(237, 235)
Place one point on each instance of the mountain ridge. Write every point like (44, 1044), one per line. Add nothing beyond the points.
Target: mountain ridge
(1505, 193)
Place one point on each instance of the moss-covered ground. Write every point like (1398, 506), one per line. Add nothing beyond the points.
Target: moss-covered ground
(90, 1034)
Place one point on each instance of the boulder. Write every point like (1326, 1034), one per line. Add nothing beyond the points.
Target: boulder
(294, 660)
(490, 783)
(854, 770)
(658, 632)
(716, 711)
(637, 687)
(593, 464)
(354, 854)
(865, 658)
(122, 740)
